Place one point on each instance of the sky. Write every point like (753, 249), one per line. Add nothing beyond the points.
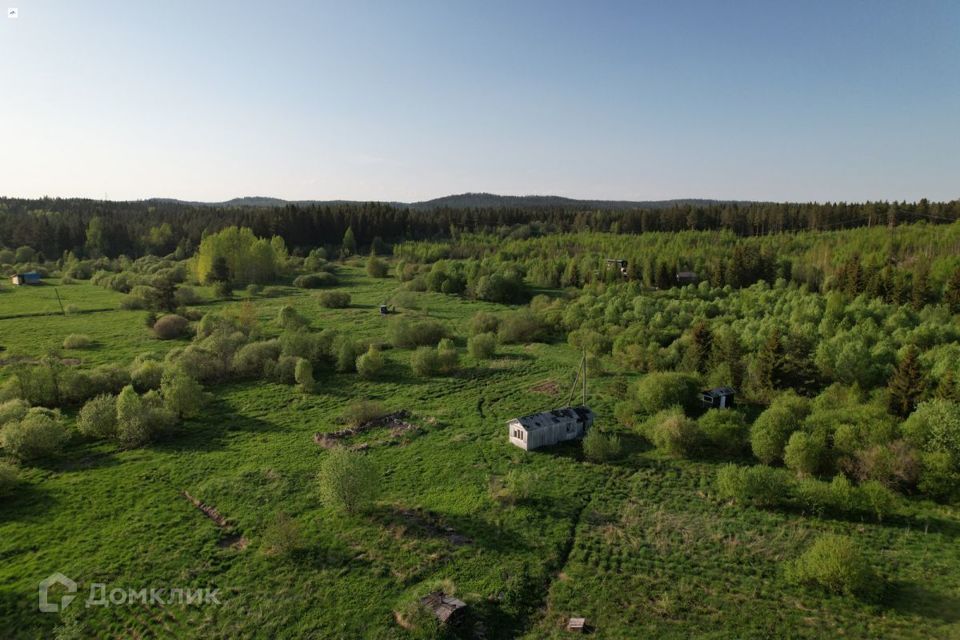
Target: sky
(410, 100)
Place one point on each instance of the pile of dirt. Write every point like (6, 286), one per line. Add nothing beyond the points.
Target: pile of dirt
(209, 511)
(433, 525)
(548, 387)
(396, 422)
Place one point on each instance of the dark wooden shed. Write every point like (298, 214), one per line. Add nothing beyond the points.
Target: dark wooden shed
(447, 609)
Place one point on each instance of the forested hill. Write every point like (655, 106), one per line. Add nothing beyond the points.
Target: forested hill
(93, 227)
(465, 201)
(493, 201)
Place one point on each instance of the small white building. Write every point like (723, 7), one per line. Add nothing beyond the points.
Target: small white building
(550, 427)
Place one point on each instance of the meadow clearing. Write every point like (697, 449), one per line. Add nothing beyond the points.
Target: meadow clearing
(641, 546)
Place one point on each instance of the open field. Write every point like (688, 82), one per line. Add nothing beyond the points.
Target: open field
(641, 546)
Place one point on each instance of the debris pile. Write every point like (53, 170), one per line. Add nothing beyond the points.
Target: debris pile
(395, 421)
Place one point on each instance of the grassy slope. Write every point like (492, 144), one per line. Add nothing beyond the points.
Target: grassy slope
(638, 547)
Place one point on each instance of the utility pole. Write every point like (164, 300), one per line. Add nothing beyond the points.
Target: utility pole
(60, 302)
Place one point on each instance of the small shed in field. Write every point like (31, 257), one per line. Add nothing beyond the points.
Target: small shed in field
(20, 279)
(550, 427)
(718, 398)
(446, 608)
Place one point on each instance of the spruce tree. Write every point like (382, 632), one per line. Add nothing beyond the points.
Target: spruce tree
(907, 384)
(951, 295)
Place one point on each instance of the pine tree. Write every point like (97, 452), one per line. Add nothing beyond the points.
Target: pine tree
(907, 384)
(920, 294)
(769, 361)
(698, 352)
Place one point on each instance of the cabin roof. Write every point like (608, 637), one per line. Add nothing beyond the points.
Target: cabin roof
(546, 419)
(720, 391)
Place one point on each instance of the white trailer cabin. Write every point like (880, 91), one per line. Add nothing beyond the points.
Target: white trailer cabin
(550, 427)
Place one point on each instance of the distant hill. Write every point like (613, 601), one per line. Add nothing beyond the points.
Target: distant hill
(466, 201)
(493, 201)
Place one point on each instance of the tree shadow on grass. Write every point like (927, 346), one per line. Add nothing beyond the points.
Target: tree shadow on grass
(211, 433)
(458, 530)
(28, 502)
(911, 598)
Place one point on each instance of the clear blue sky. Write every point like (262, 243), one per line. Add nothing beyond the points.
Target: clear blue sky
(408, 100)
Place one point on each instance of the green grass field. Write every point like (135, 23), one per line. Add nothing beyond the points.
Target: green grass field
(640, 547)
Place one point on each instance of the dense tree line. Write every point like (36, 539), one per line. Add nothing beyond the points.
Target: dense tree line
(92, 228)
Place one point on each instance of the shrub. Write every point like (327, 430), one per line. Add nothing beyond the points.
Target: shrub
(98, 417)
(185, 296)
(834, 563)
(425, 362)
(71, 309)
(12, 410)
(484, 322)
(938, 477)
(254, 290)
(892, 464)
(804, 453)
(202, 363)
(520, 327)
(74, 386)
(223, 289)
(282, 536)
(370, 364)
(345, 352)
(657, 391)
(140, 419)
(598, 447)
(334, 299)
(39, 434)
(77, 341)
(363, 411)
(482, 346)
(772, 429)
(108, 378)
(182, 395)
(676, 434)
(349, 481)
(376, 268)
(935, 427)
(877, 499)
(724, 430)
(303, 374)
(9, 478)
(447, 356)
(284, 371)
(759, 485)
(315, 280)
(171, 326)
(290, 319)
(251, 359)
(145, 375)
(131, 302)
(406, 334)
(731, 483)
(273, 292)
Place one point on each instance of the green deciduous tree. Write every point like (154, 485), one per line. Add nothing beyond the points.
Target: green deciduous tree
(349, 481)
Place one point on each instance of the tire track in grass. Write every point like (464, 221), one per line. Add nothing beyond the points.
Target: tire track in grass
(540, 614)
